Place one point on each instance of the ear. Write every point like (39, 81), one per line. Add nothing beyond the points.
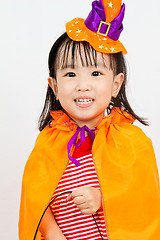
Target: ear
(118, 80)
(53, 84)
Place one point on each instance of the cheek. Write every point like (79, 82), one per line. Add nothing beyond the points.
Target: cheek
(105, 89)
(64, 91)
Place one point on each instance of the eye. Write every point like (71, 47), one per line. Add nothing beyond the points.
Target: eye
(70, 74)
(95, 74)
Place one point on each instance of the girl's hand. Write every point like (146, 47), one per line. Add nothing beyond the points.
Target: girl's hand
(87, 199)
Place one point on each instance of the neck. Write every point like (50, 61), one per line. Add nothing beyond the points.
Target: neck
(90, 125)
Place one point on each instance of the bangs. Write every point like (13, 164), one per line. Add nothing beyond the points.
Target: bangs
(70, 51)
(66, 53)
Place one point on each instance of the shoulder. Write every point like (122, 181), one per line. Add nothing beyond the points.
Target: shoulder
(138, 143)
(135, 145)
(135, 137)
(135, 133)
(40, 144)
(124, 135)
(44, 134)
(120, 125)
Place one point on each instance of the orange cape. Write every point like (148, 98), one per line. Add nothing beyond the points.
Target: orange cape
(127, 171)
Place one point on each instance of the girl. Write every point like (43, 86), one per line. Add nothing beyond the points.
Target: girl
(92, 174)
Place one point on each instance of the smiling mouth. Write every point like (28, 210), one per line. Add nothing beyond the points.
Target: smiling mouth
(84, 101)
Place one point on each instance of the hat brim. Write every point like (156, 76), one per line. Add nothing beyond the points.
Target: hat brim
(77, 31)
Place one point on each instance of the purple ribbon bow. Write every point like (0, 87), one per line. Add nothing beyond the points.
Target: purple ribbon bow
(96, 21)
(74, 139)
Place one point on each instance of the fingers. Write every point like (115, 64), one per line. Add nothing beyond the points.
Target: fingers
(87, 199)
(69, 197)
(76, 193)
(82, 206)
(87, 211)
(80, 203)
(79, 200)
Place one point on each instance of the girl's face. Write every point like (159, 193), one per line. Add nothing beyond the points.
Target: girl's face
(86, 91)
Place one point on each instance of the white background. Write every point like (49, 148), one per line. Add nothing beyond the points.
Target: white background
(27, 32)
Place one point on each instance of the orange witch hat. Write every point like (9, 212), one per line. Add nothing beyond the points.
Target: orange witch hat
(101, 28)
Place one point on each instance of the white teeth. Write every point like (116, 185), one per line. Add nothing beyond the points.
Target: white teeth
(84, 101)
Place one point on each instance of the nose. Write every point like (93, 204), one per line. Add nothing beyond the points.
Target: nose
(83, 84)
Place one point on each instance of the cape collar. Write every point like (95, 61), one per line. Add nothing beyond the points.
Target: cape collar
(62, 121)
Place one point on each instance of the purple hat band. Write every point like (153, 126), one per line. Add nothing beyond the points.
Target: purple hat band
(96, 21)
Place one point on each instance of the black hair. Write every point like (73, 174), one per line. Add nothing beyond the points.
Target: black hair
(117, 64)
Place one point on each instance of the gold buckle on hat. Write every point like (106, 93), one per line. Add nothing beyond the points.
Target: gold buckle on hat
(99, 28)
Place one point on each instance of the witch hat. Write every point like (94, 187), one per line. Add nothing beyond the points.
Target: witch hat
(101, 28)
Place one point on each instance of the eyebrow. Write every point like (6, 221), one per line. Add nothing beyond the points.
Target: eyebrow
(68, 66)
(100, 64)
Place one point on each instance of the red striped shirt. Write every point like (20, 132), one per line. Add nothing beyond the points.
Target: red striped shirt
(69, 218)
